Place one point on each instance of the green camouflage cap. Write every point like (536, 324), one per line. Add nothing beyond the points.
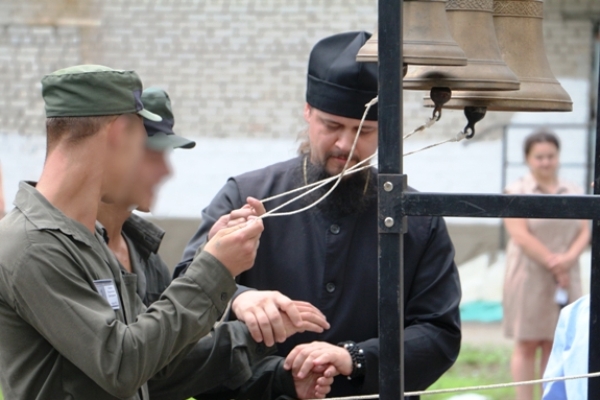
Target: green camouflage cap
(160, 134)
(93, 90)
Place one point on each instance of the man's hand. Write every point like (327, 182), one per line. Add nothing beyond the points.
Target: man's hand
(314, 386)
(272, 317)
(236, 247)
(306, 357)
(237, 217)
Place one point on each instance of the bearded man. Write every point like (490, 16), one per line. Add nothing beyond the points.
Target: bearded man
(328, 255)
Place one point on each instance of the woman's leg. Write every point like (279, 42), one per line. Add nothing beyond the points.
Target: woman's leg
(522, 366)
(546, 346)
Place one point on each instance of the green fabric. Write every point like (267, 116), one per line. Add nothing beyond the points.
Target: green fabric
(93, 90)
(222, 359)
(160, 134)
(162, 142)
(60, 339)
(158, 101)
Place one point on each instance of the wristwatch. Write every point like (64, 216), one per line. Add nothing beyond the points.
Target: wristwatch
(358, 359)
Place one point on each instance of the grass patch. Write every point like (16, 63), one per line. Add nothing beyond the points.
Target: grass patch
(477, 366)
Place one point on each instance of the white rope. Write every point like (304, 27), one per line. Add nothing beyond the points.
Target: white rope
(271, 213)
(324, 182)
(351, 170)
(475, 388)
(355, 168)
(346, 170)
(428, 124)
(460, 136)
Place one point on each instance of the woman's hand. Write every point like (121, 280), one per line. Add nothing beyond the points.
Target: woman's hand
(560, 263)
(563, 279)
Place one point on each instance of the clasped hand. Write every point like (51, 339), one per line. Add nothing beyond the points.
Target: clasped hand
(560, 265)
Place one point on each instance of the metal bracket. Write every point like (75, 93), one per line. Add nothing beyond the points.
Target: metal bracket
(389, 192)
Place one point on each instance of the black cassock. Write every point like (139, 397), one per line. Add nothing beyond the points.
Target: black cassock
(332, 263)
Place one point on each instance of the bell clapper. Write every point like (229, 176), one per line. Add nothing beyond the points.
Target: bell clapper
(439, 96)
(474, 115)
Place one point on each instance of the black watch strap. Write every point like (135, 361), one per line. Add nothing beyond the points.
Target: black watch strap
(358, 359)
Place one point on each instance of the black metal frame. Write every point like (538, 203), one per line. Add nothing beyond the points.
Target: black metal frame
(395, 204)
(391, 262)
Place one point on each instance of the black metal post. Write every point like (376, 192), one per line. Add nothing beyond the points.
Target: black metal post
(594, 344)
(503, 183)
(391, 269)
(589, 159)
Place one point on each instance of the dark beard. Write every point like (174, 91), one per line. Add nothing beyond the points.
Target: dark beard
(352, 195)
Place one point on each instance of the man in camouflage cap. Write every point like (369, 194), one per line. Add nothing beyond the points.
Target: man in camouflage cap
(73, 326)
(227, 358)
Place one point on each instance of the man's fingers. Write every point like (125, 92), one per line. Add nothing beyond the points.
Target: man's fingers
(289, 360)
(331, 371)
(276, 322)
(256, 205)
(220, 224)
(265, 326)
(250, 320)
(324, 358)
(303, 359)
(244, 213)
(227, 231)
(324, 385)
(310, 327)
(235, 222)
(290, 309)
(305, 306)
(319, 369)
(315, 318)
(253, 228)
(302, 365)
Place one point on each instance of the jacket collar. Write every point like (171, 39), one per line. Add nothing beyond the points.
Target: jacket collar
(44, 216)
(145, 236)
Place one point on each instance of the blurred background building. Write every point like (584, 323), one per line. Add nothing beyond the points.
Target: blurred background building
(233, 68)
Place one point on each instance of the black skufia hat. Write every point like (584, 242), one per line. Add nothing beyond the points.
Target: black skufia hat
(338, 84)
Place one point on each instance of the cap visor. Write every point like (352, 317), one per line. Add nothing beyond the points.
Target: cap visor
(162, 142)
(150, 115)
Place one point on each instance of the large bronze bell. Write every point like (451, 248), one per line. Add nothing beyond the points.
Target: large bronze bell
(472, 26)
(518, 25)
(427, 40)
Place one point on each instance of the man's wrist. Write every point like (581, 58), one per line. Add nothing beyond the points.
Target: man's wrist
(358, 359)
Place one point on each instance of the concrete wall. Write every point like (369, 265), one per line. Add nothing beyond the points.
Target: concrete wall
(234, 68)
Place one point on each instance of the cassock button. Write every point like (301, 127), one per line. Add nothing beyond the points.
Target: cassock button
(335, 229)
(330, 287)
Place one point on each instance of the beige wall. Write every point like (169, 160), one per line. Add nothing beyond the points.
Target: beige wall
(232, 67)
